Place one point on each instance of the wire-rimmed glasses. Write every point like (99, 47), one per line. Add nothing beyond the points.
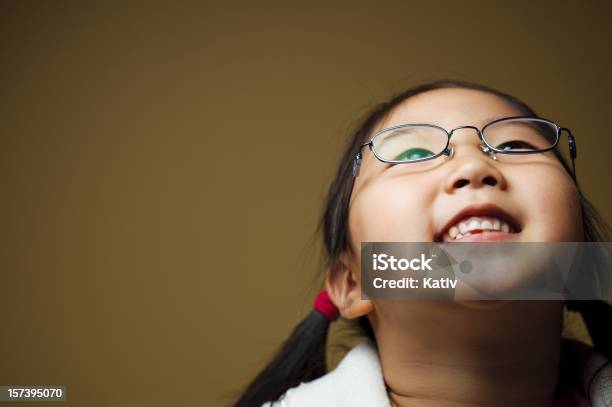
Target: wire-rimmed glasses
(416, 142)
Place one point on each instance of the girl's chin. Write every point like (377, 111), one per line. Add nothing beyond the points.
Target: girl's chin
(482, 304)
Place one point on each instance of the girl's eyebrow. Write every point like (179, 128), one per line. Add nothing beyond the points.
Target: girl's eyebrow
(493, 118)
(486, 121)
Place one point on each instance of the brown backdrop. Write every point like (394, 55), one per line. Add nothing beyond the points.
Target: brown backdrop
(163, 166)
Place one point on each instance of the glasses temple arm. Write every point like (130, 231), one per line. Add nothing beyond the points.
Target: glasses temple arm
(572, 149)
(357, 160)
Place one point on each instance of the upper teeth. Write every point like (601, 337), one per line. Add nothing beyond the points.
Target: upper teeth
(465, 226)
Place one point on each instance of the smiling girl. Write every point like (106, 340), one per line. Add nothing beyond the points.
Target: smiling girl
(445, 353)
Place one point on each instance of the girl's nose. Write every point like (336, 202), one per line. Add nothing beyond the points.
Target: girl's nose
(470, 167)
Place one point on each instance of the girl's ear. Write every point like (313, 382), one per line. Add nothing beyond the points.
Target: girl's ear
(344, 289)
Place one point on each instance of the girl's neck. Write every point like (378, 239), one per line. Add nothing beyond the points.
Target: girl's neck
(442, 353)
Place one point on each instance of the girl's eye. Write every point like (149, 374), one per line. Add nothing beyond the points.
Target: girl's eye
(414, 154)
(516, 145)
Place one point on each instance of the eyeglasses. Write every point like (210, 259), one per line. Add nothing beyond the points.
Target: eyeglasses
(410, 143)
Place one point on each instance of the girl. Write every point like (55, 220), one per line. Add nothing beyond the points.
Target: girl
(444, 353)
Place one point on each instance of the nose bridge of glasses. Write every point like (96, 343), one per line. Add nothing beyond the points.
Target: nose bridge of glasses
(476, 129)
(482, 145)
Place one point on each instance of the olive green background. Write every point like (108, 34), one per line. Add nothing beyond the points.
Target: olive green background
(164, 165)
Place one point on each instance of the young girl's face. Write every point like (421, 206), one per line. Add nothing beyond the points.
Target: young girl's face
(415, 202)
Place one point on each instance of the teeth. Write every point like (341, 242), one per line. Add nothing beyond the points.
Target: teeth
(496, 224)
(473, 225)
(464, 228)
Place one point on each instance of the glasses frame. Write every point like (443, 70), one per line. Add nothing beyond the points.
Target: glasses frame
(485, 147)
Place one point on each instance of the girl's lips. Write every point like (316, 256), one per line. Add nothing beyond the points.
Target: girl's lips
(489, 210)
(486, 236)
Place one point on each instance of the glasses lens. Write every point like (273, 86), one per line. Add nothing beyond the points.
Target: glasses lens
(521, 135)
(409, 143)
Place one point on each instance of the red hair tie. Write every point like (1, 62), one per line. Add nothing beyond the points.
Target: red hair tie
(325, 306)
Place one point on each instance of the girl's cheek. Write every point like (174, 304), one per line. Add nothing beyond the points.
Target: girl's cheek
(390, 211)
(553, 208)
(567, 222)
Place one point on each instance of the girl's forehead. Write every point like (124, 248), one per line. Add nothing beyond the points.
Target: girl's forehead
(450, 107)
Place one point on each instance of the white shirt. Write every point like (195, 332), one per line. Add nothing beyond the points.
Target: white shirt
(358, 382)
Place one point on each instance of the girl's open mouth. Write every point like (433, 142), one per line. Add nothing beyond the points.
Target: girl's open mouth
(478, 223)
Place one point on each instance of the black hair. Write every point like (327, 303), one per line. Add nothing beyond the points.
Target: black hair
(302, 356)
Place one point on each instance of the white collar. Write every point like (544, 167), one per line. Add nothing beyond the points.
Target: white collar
(358, 382)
